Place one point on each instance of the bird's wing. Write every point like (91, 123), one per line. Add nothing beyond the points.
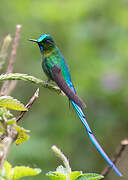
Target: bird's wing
(60, 81)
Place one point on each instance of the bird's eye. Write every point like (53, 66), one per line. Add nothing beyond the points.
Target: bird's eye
(47, 41)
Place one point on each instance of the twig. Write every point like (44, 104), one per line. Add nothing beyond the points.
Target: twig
(117, 155)
(14, 48)
(12, 59)
(31, 101)
(12, 133)
(12, 86)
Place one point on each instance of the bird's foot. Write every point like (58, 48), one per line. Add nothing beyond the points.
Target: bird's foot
(47, 82)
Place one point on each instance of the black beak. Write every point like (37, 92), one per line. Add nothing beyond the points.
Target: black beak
(33, 40)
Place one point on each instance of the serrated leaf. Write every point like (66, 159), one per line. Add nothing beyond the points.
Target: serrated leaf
(11, 121)
(20, 129)
(73, 175)
(56, 176)
(21, 171)
(11, 103)
(22, 135)
(62, 170)
(90, 176)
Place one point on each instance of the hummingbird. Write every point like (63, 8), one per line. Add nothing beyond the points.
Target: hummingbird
(56, 69)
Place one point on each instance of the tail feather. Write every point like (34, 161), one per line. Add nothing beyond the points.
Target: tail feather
(92, 137)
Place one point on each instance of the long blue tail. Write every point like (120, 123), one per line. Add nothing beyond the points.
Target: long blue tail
(92, 137)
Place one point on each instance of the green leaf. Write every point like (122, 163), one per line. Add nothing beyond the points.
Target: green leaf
(56, 176)
(5, 173)
(61, 173)
(9, 173)
(62, 170)
(21, 171)
(20, 129)
(4, 114)
(90, 176)
(10, 103)
(73, 175)
(7, 167)
(11, 121)
(22, 136)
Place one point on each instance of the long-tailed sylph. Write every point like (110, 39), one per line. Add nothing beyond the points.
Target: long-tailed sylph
(56, 69)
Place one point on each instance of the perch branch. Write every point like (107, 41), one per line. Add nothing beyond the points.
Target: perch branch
(117, 155)
(32, 79)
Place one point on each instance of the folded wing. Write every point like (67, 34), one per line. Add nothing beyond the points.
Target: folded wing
(60, 81)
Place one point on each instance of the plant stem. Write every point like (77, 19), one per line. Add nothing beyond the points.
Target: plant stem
(62, 157)
(11, 60)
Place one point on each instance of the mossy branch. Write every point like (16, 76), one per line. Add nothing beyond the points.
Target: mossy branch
(32, 79)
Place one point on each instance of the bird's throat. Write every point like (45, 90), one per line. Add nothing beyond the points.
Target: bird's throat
(50, 51)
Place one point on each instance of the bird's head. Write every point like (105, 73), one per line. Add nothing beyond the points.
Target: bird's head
(45, 42)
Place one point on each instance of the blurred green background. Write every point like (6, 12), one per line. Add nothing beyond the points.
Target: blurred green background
(93, 37)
